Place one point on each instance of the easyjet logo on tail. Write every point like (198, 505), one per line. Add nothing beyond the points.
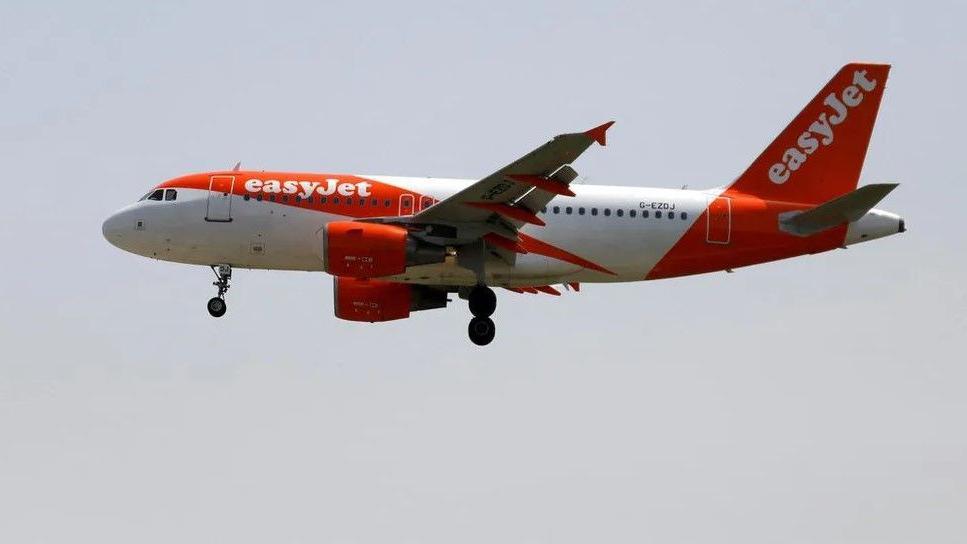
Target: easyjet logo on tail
(821, 130)
(308, 188)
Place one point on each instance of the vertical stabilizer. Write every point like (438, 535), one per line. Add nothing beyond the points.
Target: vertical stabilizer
(820, 154)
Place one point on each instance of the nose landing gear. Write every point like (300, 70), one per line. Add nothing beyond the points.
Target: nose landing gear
(216, 305)
(483, 303)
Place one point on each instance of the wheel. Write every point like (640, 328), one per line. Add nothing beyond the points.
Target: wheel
(216, 307)
(481, 330)
(483, 301)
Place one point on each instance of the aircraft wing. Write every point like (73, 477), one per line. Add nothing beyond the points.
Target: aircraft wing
(484, 219)
(518, 191)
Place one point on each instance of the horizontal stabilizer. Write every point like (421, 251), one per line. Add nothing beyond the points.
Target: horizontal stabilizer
(845, 209)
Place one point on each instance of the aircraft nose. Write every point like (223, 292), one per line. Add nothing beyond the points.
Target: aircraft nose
(113, 230)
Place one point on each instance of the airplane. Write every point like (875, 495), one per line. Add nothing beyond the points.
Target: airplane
(397, 245)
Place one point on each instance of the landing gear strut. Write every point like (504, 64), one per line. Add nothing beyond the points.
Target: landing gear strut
(483, 302)
(216, 305)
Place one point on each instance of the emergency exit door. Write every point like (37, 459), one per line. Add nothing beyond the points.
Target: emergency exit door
(406, 204)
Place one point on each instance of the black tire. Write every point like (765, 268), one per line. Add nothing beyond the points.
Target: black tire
(481, 330)
(483, 301)
(217, 307)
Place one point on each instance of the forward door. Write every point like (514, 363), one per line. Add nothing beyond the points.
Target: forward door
(220, 198)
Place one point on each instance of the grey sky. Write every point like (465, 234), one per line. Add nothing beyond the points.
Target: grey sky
(813, 400)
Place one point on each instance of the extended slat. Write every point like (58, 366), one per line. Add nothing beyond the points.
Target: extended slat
(507, 210)
(548, 289)
(543, 183)
(534, 245)
(505, 243)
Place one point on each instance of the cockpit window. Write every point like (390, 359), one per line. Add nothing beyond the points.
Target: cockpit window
(171, 194)
(156, 194)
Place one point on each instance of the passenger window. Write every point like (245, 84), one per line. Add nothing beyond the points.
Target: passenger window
(632, 213)
(620, 213)
(557, 209)
(157, 195)
(171, 194)
(644, 213)
(683, 215)
(671, 215)
(386, 203)
(272, 198)
(657, 215)
(323, 199)
(335, 200)
(594, 211)
(568, 210)
(246, 198)
(581, 211)
(607, 212)
(259, 198)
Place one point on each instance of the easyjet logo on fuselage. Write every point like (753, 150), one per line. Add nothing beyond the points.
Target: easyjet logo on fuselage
(305, 189)
(821, 131)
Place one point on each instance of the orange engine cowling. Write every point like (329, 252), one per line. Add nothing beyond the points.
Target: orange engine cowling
(363, 250)
(369, 250)
(374, 300)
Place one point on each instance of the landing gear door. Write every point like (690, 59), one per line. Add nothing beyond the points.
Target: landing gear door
(718, 220)
(220, 198)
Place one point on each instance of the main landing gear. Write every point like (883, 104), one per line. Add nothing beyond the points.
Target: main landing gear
(216, 305)
(483, 302)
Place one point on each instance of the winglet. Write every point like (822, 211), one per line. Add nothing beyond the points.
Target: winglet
(598, 133)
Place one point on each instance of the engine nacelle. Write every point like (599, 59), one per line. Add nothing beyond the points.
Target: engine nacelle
(375, 300)
(369, 250)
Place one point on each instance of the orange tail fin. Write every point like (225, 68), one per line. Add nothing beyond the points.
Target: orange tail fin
(820, 154)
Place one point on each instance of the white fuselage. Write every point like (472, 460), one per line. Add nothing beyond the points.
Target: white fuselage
(626, 230)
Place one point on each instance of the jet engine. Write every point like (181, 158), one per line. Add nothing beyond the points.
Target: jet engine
(369, 250)
(374, 300)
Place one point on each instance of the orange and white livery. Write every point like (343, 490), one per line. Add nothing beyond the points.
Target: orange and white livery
(396, 245)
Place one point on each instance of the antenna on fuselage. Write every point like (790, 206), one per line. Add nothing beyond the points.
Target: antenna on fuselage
(237, 166)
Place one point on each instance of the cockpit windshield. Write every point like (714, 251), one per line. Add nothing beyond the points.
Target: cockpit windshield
(160, 194)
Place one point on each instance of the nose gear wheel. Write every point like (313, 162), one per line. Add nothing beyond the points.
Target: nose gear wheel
(216, 305)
